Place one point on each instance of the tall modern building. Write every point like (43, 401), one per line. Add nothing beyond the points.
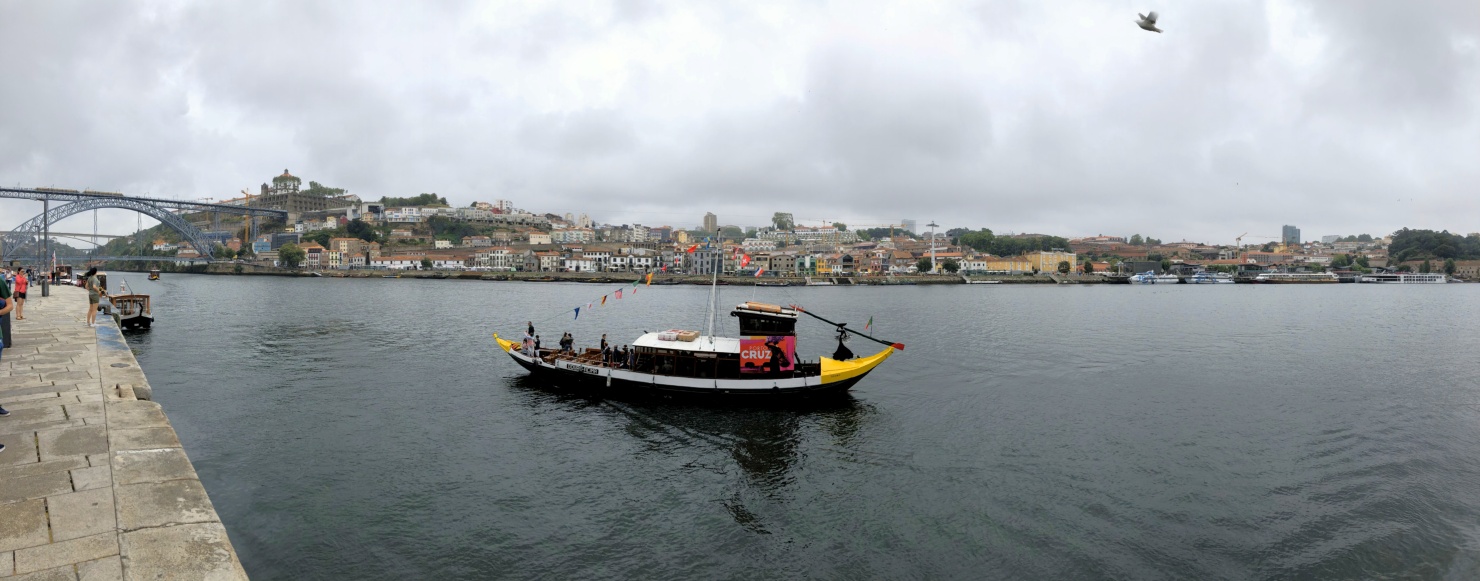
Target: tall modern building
(1291, 235)
(910, 226)
(711, 222)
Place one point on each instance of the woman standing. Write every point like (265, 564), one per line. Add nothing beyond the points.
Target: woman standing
(21, 282)
(94, 292)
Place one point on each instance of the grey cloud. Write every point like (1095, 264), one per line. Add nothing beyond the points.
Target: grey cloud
(1019, 116)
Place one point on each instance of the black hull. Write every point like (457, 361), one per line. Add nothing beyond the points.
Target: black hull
(135, 323)
(598, 385)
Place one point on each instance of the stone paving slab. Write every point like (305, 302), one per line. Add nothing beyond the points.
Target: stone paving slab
(94, 484)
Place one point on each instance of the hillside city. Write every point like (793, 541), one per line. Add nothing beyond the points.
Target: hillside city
(330, 229)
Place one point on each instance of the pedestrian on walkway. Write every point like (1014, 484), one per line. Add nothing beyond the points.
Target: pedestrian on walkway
(5, 314)
(94, 293)
(5, 307)
(22, 283)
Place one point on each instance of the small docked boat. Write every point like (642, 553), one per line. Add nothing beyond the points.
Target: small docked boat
(761, 363)
(132, 312)
(772, 283)
(154, 274)
(1148, 277)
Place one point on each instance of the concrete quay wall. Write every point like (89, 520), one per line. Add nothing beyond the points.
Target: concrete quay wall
(94, 483)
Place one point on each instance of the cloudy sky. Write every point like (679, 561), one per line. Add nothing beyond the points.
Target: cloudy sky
(1340, 116)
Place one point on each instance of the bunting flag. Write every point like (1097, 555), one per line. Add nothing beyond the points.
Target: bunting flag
(578, 313)
(870, 323)
(649, 279)
(692, 249)
(634, 283)
(603, 300)
(619, 294)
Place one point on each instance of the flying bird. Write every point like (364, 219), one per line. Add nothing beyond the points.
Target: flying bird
(1147, 22)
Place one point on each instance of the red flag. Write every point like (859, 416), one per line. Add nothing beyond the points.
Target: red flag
(619, 293)
(744, 260)
(692, 249)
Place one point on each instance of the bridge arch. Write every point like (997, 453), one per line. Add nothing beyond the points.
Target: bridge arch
(31, 229)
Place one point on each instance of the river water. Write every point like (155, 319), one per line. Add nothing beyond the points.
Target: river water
(368, 429)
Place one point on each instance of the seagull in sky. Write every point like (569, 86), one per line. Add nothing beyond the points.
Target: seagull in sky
(1147, 22)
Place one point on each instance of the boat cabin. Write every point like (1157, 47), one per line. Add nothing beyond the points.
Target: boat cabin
(766, 349)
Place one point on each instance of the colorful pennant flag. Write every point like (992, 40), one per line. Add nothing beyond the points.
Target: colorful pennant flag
(603, 300)
(870, 323)
(578, 313)
(650, 279)
(692, 249)
(619, 293)
(759, 272)
(744, 260)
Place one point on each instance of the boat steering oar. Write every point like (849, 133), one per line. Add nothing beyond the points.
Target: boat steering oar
(899, 346)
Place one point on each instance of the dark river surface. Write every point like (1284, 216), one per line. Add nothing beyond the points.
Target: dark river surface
(370, 429)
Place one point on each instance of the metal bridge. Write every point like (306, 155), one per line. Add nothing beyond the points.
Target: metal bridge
(36, 230)
(83, 258)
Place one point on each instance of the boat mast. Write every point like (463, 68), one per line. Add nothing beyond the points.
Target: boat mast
(713, 289)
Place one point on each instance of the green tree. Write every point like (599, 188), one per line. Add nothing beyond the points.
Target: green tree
(1425, 268)
(841, 227)
(1166, 265)
(783, 221)
(1064, 267)
(1340, 261)
(421, 200)
(290, 255)
(318, 189)
(923, 265)
(732, 232)
(1089, 267)
(426, 263)
(1362, 261)
(1404, 268)
(362, 230)
(1449, 266)
(1268, 247)
(1153, 241)
(981, 240)
(223, 253)
(1136, 240)
(950, 265)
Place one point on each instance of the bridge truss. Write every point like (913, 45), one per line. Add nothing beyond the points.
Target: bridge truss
(166, 211)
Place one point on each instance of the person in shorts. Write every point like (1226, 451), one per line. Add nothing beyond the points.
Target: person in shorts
(22, 283)
(6, 304)
(94, 293)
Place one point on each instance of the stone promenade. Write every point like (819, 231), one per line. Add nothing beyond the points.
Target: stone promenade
(93, 481)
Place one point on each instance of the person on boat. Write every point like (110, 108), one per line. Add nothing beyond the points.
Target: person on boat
(606, 354)
(629, 357)
(536, 344)
(531, 328)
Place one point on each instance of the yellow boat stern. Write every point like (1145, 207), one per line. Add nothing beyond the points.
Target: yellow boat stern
(834, 371)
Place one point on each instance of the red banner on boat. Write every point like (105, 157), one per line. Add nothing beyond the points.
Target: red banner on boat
(767, 354)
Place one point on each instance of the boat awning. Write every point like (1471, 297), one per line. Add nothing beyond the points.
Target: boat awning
(703, 343)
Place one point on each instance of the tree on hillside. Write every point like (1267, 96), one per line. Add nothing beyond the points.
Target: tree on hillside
(1064, 267)
(1341, 261)
(1449, 266)
(421, 200)
(1136, 240)
(783, 221)
(426, 263)
(841, 227)
(362, 230)
(222, 252)
(1268, 247)
(923, 265)
(1362, 261)
(318, 189)
(1166, 265)
(1425, 268)
(980, 240)
(732, 232)
(950, 265)
(290, 255)
(1089, 267)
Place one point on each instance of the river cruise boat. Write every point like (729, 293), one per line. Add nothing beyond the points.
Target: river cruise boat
(1205, 277)
(1406, 278)
(1296, 278)
(762, 363)
(1150, 277)
(154, 274)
